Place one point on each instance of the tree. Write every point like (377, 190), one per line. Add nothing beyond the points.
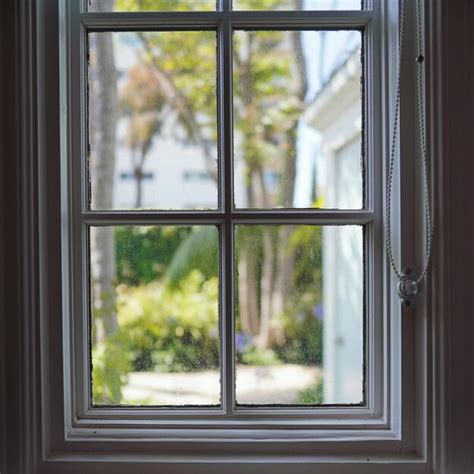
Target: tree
(102, 124)
(270, 88)
(142, 102)
(258, 79)
(183, 65)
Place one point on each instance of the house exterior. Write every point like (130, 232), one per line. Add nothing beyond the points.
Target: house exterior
(336, 115)
(174, 175)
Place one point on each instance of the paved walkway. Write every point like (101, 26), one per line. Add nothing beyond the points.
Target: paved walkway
(255, 385)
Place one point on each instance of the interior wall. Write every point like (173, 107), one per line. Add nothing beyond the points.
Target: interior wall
(9, 222)
(455, 385)
(456, 250)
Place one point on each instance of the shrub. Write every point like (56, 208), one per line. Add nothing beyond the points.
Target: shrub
(303, 340)
(144, 252)
(312, 395)
(109, 370)
(259, 357)
(171, 329)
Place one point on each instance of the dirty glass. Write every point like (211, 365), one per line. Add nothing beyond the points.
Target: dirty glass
(150, 5)
(297, 4)
(152, 127)
(299, 334)
(154, 315)
(297, 103)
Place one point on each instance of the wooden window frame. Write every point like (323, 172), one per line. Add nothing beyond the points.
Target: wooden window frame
(333, 444)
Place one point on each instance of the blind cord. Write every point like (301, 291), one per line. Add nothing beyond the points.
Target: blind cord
(408, 284)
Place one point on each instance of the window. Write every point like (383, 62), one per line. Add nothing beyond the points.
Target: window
(280, 274)
(261, 301)
(251, 311)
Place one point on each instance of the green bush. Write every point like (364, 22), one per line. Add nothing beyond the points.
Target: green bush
(161, 328)
(171, 329)
(144, 252)
(302, 321)
(110, 366)
(312, 395)
(258, 357)
(303, 340)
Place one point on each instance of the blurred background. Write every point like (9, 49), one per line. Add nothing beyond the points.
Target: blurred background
(154, 293)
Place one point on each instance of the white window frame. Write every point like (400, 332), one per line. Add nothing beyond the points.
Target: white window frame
(392, 431)
(78, 218)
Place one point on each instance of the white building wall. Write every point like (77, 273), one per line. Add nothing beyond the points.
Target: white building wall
(179, 176)
(177, 169)
(336, 116)
(343, 287)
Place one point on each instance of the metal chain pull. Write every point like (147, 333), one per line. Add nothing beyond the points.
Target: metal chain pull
(409, 284)
(407, 287)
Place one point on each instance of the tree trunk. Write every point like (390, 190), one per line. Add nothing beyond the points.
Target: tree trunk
(248, 275)
(103, 108)
(275, 283)
(267, 276)
(264, 340)
(248, 262)
(285, 264)
(285, 256)
(248, 298)
(138, 175)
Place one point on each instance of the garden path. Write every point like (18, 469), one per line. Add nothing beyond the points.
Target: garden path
(255, 385)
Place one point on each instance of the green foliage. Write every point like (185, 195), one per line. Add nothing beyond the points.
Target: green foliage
(303, 319)
(160, 328)
(185, 67)
(307, 244)
(259, 357)
(171, 329)
(299, 328)
(159, 318)
(167, 293)
(257, 66)
(200, 251)
(262, 4)
(167, 298)
(312, 396)
(191, 5)
(110, 367)
(303, 344)
(165, 5)
(144, 252)
(149, 253)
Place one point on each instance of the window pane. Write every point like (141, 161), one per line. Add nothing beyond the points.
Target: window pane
(298, 119)
(297, 4)
(152, 120)
(150, 5)
(154, 315)
(299, 315)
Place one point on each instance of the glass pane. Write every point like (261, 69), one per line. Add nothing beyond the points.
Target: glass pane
(299, 315)
(152, 120)
(297, 4)
(154, 315)
(298, 119)
(150, 5)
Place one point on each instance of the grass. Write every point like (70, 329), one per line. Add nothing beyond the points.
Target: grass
(312, 395)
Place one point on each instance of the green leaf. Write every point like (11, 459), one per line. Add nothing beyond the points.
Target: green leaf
(199, 251)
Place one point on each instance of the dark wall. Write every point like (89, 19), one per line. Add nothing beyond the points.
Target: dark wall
(9, 221)
(457, 249)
